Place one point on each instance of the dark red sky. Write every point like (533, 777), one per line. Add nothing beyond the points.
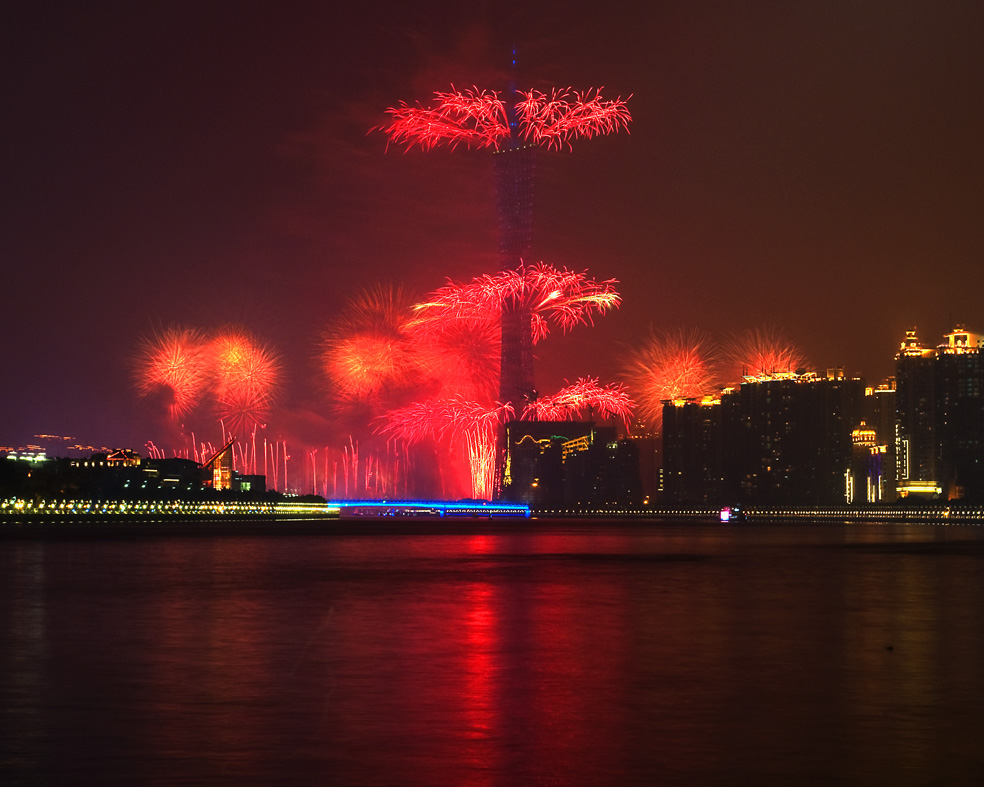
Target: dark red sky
(813, 167)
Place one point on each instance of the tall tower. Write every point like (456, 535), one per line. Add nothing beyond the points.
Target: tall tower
(514, 164)
(511, 125)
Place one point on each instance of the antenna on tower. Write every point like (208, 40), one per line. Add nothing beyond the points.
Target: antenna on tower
(512, 115)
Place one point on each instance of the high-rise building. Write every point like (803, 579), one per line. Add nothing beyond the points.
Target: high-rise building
(693, 469)
(940, 407)
(791, 437)
(880, 416)
(514, 164)
(777, 439)
(569, 464)
(915, 406)
(960, 407)
(867, 481)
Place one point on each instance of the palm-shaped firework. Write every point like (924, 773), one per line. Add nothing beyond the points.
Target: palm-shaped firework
(547, 294)
(512, 124)
(484, 119)
(584, 397)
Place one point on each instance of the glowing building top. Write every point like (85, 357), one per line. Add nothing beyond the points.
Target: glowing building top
(960, 340)
(912, 347)
(864, 436)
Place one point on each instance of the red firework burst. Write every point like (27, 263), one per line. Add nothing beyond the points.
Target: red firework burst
(479, 118)
(585, 397)
(670, 365)
(457, 419)
(762, 352)
(246, 375)
(550, 294)
(370, 347)
(173, 364)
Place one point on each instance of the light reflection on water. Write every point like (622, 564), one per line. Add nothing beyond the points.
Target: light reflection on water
(570, 653)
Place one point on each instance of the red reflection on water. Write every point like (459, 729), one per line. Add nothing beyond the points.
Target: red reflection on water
(479, 669)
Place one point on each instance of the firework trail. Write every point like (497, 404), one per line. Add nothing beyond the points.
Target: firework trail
(353, 472)
(762, 352)
(670, 365)
(481, 118)
(584, 398)
(174, 365)
(455, 419)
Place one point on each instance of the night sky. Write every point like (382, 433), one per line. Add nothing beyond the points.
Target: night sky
(811, 167)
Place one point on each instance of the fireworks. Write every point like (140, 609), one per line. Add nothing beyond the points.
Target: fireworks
(585, 397)
(675, 365)
(762, 353)
(238, 375)
(523, 300)
(461, 357)
(380, 355)
(380, 351)
(455, 418)
(371, 347)
(174, 365)
(670, 365)
(245, 374)
(451, 337)
(549, 294)
(480, 118)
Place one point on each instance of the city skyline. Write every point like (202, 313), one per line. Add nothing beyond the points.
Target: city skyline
(804, 169)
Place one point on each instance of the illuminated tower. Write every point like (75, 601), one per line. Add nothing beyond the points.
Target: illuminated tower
(513, 165)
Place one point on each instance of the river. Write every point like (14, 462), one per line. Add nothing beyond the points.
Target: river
(534, 652)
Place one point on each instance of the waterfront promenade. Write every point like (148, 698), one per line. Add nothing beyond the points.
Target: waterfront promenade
(17, 512)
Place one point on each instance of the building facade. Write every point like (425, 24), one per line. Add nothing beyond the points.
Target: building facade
(569, 465)
(781, 439)
(940, 411)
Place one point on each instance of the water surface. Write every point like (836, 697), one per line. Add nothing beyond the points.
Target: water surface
(534, 653)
